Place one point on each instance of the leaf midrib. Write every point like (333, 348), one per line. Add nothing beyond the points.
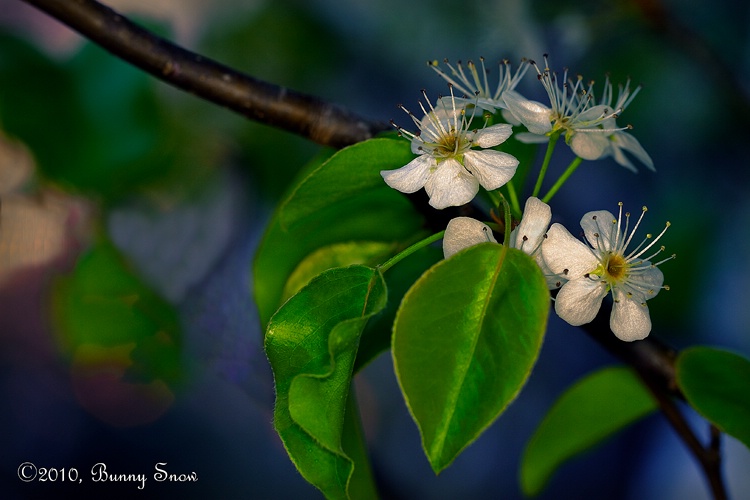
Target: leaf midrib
(441, 433)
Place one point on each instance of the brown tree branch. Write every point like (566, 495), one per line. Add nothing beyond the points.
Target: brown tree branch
(654, 363)
(279, 107)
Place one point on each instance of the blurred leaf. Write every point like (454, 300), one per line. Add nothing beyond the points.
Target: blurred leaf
(365, 210)
(38, 104)
(279, 43)
(590, 411)
(102, 303)
(466, 337)
(128, 139)
(95, 123)
(312, 343)
(716, 382)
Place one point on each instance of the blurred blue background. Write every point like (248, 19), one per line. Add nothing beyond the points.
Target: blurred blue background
(92, 149)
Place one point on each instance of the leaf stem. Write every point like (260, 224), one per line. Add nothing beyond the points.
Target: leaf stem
(410, 250)
(564, 177)
(506, 211)
(545, 164)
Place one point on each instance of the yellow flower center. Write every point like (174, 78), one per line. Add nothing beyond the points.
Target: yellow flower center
(616, 268)
(452, 144)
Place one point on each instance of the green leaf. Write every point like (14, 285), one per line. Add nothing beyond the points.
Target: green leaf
(715, 382)
(591, 410)
(336, 255)
(466, 337)
(312, 216)
(102, 303)
(377, 335)
(344, 176)
(312, 343)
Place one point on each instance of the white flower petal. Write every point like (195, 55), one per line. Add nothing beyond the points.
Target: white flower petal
(599, 230)
(492, 136)
(534, 223)
(508, 116)
(411, 177)
(589, 145)
(529, 138)
(630, 319)
(647, 280)
(451, 185)
(553, 281)
(491, 168)
(626, 142)
(417, 146)
(488, 104)
(534, 115)
(565, 255)
(623, 160)
(463, 232)
(579, 300)
(592, 115)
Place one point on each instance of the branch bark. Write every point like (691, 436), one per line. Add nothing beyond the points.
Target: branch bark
(279, 107)
(654, 363)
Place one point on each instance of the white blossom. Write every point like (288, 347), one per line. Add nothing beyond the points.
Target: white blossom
(588, 272)
(620, 141)
(530, 234)
(447, 167)
(589, 127)
(474, 83)
(463, 232)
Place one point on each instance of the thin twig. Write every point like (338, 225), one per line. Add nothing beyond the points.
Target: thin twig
(279, 107)
(654, 363)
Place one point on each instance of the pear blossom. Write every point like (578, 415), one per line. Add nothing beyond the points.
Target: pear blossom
(472, 84)
(447, 167)
(589, 127)
(620, 141)
(463, 232)
(530, 232)
(588, 272)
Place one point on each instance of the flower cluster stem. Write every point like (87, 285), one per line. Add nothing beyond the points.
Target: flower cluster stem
(506, 212)
(410, 250)
(514, 205)
(545, 164)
